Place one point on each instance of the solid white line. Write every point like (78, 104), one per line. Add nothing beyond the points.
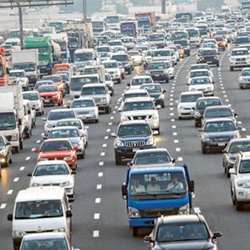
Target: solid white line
(10, 192)
(16, 179)
(178, 149)
(98, 200)
(96, 234)
(22, 168)
(3, 206)
(99, 186)
(97, 216)
(100, 174)
(27, 158)
(102, 154)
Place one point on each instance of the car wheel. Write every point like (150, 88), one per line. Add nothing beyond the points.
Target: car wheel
(238, 205)
(118, 159)
(203, 149)
(231, 68)
(135, 231)
(163, 105)
(227, 172)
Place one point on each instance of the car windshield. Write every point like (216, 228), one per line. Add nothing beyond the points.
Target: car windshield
(240, 52)
(202, 104)
(83, 104)
(17, 74)
(240, 146)
(110, 65)
(199, 73)
(51, 146)
(51, 169)
(131, 130)
(244, 167)
(7, 121)
(81, 57)
(73, 123)
(53, 78)
(47, 89)
(160, 53)
(158, 65)
(93, 91)
(152, 184)
(220, 112)
(132, 95)
(147, 105)
(152, 158)
(140, 81)
(183, 43)
(63, 133)
(186, 231)
(59, 115)
(120, 58)
(30, 96)
(246, 72)
(208, 52)
(190, 97)
(199, 66)
(200, 80)
(45, 244)
(219, 126)
(76, 83)
(153, 89)
(38, 209)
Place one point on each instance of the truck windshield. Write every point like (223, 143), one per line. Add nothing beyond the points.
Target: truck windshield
(48, 244)
(38, 209)
(7, 121)
(25, 66)
(154, 184)
(76, 83)
(81, 57)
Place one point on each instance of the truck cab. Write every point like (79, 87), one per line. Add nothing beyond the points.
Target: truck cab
(154, 191)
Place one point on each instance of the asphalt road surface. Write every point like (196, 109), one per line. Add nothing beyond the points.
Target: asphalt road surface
(99, 213)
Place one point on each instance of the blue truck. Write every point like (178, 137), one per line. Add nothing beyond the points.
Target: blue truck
(129, 28)
(152, 191)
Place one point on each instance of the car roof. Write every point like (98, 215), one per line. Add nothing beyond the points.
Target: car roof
(40, 193)
(141, 77)
(150, 150)
(139, 99)
(179, 219)
(191, 93)
(50, 235)
(220, 119)
(64, 127)
(94, 85)
(218, 107)
(134, 91)
(53, 162)
(161, 168)
(134, 122)
(60, 110)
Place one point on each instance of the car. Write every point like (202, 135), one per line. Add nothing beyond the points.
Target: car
(48, 241)
(239, 57)
(130, 137)
(216, 133)
(160, 71)
(57, 149)
(153, 157)
(156, 92)
(43, 82)
(244, 78)
(186, 103)
(141, 108)
(5, 152)
(201, 105)
(185, 45)
(50, 95)
(58, 82)
(199, 66)
(19, 76)
(112, 67)
(164, 54)
(240, 179)
(53, 173)
(85, 109)
(136, 57)
(221, 42)
(189, 231)
(109, 83)
(200, 73)
(132, 93)
(100, 93)
(138, 80)
(73, 134)
(123, 60)
(55, 115)
(35, 100)
(208, 55)
(234, 147)
(202, 83)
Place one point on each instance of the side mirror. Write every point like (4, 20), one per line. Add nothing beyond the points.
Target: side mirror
(68, 214)
(29, 174)
(148, 239)
(217, 235)
(124, 190)
(10, 217)
(232, 171)
(191, 186)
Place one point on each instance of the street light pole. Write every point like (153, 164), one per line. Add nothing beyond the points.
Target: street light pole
(163, 6)
(20, 13)
(84, 10)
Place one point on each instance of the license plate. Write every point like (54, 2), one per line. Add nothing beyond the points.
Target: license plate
(221, 144)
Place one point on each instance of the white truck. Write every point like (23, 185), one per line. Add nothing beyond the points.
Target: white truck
(12, 115)
(28, 60)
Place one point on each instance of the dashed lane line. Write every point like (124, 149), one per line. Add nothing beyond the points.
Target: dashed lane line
(99, 186)
(97, 216)
(16, 179)
(10, 192)
(21, 168)
(27, 158)
(98, 200)
(101, 163)
(3, 205)
(100, 174)
(96, 234)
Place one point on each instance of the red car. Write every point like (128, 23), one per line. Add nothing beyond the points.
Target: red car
(51, 95)
(58, 149)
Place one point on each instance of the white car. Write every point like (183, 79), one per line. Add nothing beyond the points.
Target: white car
(35, 100)
(112, 67)
(239, 57)
(187, 102)
(141, 108)
(19, 76)
(53, 173)
(136, 57)
(199, 73)
(240, 180)
(139, 80)
(203, 84)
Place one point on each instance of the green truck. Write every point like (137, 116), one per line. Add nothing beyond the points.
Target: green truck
(45, 51)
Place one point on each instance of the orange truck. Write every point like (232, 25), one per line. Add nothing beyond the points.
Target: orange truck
(146, 20)
(61, 67)
(4, 70)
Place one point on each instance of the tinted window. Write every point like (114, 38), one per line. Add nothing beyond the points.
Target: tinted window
(45, 244)
(51, 169)
(221, 126)
(53, 116)
(236, 147)
(152, 158)
(51, 146)
(134, 130)
(129, 106)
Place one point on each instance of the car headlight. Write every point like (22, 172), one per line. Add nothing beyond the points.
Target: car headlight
(119, 143)
(18, 234)
(68, 158)
(243, 184)
(150, 141)
(64, 184)
(184, 209)
(133, 212)
(34, 184)
(60, 229)
(206, 139)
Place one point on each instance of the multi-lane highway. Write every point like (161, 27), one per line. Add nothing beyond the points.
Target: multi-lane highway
(99, 213)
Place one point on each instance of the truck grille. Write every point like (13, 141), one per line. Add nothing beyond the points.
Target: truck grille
(134, 144)
(158, 213)
(221, 139)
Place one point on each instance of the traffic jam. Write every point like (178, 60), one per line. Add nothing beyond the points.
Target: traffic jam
(133, 136)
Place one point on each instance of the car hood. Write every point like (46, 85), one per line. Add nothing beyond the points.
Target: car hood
(138, 113)
(51, 179)
(220, 134)
(186, 245)
(55, 154)
(48, 94)
(187, 104)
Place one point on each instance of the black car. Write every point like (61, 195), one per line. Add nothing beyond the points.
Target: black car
(123, 60)
(159, 71)
(201, 105)
(182, 232)
(130, 137)
(208, 55)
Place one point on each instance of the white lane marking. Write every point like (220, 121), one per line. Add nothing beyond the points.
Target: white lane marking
(173, 84)
(87, 127)
(38, 141)
(106, 137)
(239, 122)
(16, 179)
(172, 120)
(21, 168)
(176, 141)
(100, 174)
(27, 158)
(99, 186)
(102, 154)
(223, 92)
(171, 95)
(227, 100)
(110, 123)
(114, 111)
(108, 130)
(3, 206)
(171, 99)
(173, 126)
(171, 108)
(10, 192)
(98, 200)
(179, 158)
(171, 104)
(96, 234)
(171, 91)
(225, 96)
(175, 133)
(178, 149)
(112, 118)
(171, 114)
(97, 216)
(116, 107)
(104, 145)
(101, 163)
(244, 129)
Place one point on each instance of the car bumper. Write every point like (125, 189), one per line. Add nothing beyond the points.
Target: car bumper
(185, 113)
(129, 152)
(209, 61)
(243, 195)
(244, 84)
(160, 78)
(215, 145)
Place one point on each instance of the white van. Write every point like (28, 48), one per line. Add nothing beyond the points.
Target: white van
(40, 209)
(28, 119)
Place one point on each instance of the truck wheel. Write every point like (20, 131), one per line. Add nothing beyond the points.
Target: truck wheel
(135, 231)
(118, 160)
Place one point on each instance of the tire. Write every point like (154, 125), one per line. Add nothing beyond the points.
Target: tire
(163, 105)
(227, 172)
(238, 205)
(118, 159)
(203, 149)
(21, 145)
(108, 110)
(231, 68)
(135, 231)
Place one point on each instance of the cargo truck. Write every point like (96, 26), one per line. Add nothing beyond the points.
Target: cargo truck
(4, 70)
(146, 20)
(129, 28)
